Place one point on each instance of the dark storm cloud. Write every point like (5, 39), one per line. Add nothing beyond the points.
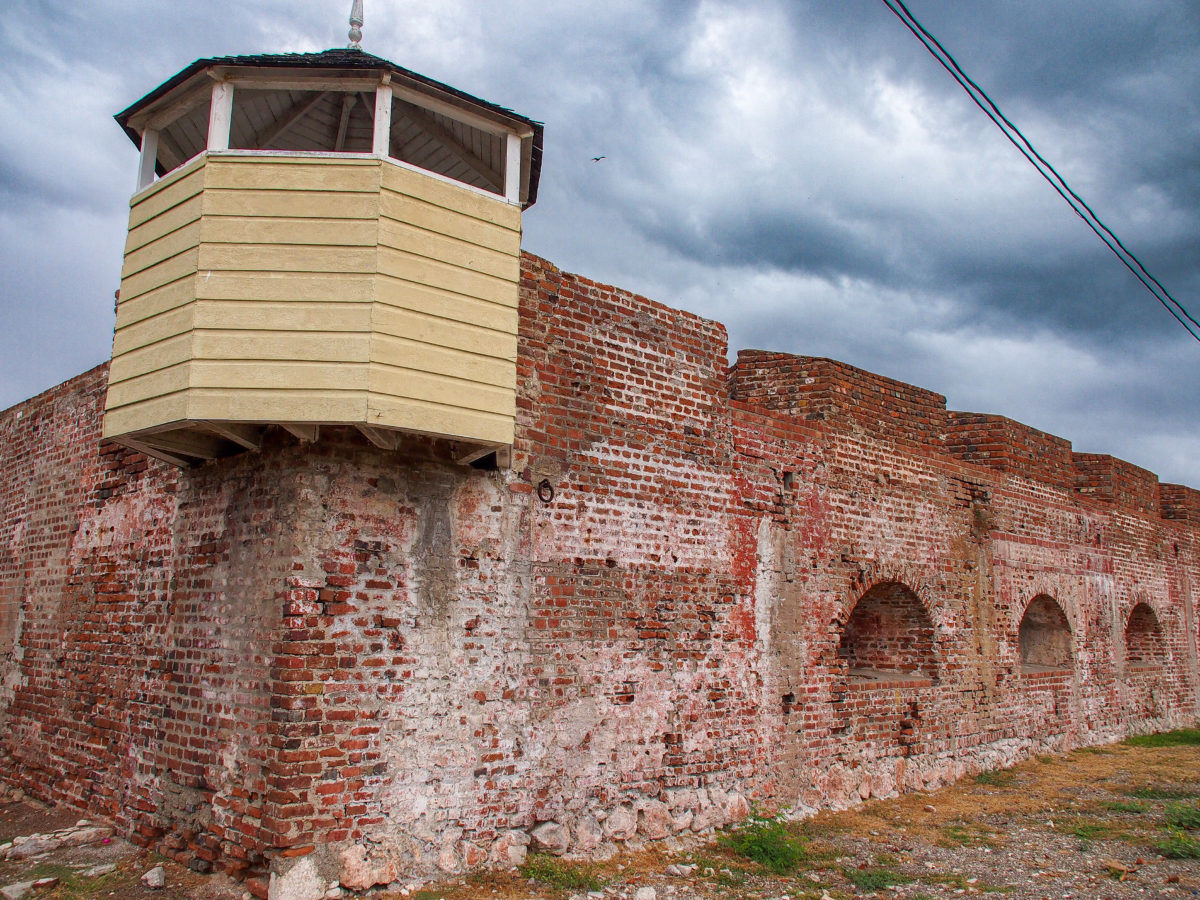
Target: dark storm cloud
(801, 170)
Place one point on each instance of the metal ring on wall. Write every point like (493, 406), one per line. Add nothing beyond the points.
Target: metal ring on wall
(545, 490)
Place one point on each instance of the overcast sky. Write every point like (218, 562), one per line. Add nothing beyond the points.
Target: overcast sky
(802, 171)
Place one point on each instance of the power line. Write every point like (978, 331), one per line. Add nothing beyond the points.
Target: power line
(1045, 169)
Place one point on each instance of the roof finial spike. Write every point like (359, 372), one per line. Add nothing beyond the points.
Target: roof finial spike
(356, 24)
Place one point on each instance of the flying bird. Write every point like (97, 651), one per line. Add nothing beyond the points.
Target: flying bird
(598, 158)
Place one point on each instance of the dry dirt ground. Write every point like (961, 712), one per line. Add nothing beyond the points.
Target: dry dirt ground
(1113, 822)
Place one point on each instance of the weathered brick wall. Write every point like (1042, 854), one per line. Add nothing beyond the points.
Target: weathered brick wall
(790, 582)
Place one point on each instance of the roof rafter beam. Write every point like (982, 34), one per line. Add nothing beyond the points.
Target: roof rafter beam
(162, 116)
(419, 97)
(295, 113)
(306, 434)
(383, 438)
(248, 436)
(473, 162)
(187, 443)
(176, 460)
(348, 101)
(173, 152)
(467, 453)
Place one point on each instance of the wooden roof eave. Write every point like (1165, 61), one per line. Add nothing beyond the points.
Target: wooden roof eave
(161, 111)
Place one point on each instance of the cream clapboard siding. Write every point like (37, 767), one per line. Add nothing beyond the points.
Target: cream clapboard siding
(444, 344)
(305, 289)
(149, 376)
(291, 245)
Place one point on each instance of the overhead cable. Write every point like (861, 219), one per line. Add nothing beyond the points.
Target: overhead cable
(1045, 169)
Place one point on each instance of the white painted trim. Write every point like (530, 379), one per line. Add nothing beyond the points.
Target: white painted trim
(220, 116)
(512, 169)
(160, 118)
(148, 159)
(303, 154)
(323, 154)
(425, 101)
(327, 154)
(383, 120)
(300, 82)
(491, 195)
(170, 177)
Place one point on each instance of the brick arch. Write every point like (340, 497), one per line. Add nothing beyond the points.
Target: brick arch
(889, 631)
(1145, 642)
(1044, 636)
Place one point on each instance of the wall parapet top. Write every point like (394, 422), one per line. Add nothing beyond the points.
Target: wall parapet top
(1115, 481)
(1179, 503)
(819, 389)
(1011, 447)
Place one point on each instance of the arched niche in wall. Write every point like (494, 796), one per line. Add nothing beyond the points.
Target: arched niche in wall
(1145, 644)
(1044, 637)
(888, 636)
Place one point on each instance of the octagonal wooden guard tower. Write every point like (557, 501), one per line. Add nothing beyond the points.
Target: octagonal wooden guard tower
(319, 239)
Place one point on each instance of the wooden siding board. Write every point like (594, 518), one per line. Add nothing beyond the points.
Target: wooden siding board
(448, 196)
(310, 346)
(152, 329)
(431, 418)
(175, 188)
(151, 358)
(169, 221)
(283, 174)
(310, 231)
(395, 292)
(397, 207)
(161, 383)
(270, 287)
(290, 315)
(162, 299)
(434, 274)
(145, 415)
(448, 392)
(444, 332)
(278, 375)
(249, 203)
(408, 354)
(268, 258)
(164, 248)
(272, 406)
(454, 252)
(159, 275)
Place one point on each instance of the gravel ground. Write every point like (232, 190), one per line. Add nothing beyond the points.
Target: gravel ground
(1092, 824)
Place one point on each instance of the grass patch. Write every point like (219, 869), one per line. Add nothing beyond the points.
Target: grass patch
(963, 884)
(1125, 806)
(1182, 737)
(963, 835)
(73, 885)
(875, 878)
(1178, 844)
(556, 873)
(768, 842)
(1158, 792)
(1183, 815)
(996, 777)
